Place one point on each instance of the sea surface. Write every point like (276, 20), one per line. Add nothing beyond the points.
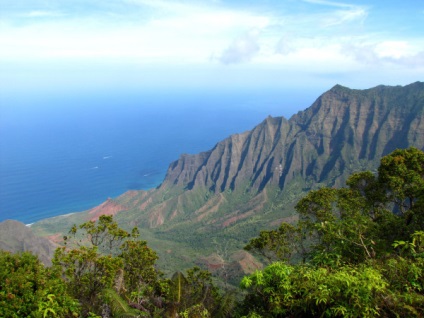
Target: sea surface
(69, 153)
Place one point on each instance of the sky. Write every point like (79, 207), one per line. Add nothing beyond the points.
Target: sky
(62, 45)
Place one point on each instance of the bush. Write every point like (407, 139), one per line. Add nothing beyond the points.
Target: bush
(28, 289)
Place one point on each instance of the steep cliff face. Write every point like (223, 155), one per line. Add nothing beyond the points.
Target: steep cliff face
(241, 157)
(343, 131)
(251, 181)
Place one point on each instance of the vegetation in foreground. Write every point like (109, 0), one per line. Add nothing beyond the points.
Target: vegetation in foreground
(356, 251)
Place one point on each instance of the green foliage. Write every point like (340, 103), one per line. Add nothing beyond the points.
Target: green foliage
(194, 294)
(178, 287)
(196, 311)
(402, 173)
(362, 249)
(105, 257)
(276, 244)
(297, 291)
(119, 307)
(138, 265)
(336, 221)
(28, 289)
(413, 248)
(227, 304)
(366, 185)
(356, 251)
(87, 273)
(105, 234)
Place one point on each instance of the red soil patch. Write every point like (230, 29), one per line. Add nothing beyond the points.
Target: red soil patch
(56, 238)
(210, 207)
(109, 207)
(145, 204)
(237, 218)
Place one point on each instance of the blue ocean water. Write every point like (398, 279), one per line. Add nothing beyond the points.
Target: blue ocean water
(63, 154)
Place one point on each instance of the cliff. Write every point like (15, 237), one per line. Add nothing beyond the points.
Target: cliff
(342, 131)
(251, 181)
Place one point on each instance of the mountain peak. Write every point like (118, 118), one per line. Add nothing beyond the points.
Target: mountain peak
(341, 126)
(339, 87)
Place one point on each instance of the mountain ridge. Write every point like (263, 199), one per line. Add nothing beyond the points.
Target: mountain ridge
(251, 181)
(309, 125)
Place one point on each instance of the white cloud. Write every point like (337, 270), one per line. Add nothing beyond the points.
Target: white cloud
(168, 33)
(386, 52)
(42, 14)
(163, 5)
(393, 49)
(344, 16)
(330, 3)
(172, 32)
(242, 49)
(285, 46)
(364, 53)
(344, 13)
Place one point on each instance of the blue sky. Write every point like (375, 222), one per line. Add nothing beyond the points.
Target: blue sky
(61, 45)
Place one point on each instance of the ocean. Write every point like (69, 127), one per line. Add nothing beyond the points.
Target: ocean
(69, 153)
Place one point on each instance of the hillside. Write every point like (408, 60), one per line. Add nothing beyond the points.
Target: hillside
(17, 237)
(213, 202)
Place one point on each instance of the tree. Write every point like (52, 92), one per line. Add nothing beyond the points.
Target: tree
(279, 244)
(99, 257)
(358, 222)
(28, 289)
(337, 226)
(362, 248)
(402, 174)
(140, 280)
(282, 290)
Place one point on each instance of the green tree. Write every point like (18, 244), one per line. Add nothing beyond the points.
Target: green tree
(358, 222)
(281, 290)
(139, 280)
(28, 289)
(337, 225)
(362, 249)
(402, 174)
(279, 244)
(99, 257)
